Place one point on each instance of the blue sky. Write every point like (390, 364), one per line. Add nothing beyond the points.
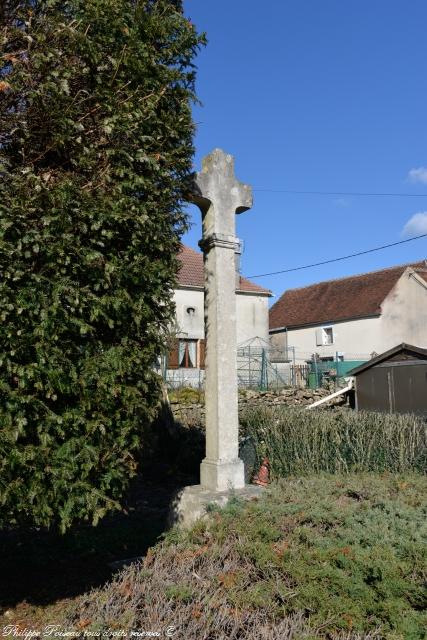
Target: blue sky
(317, 96)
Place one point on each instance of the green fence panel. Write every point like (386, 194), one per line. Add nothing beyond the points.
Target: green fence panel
(339, 369)
(344, 367)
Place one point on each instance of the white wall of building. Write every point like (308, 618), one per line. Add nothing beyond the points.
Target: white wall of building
(351, 338)
(403, 319)
(251, 315)
(191, 325)
(404, 313)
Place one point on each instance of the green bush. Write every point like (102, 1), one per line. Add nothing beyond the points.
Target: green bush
(300, 441)
(95, 154)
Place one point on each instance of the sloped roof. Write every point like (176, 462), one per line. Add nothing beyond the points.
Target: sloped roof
(358, 296)
(408, 351)
(191, 273)
(422, 273)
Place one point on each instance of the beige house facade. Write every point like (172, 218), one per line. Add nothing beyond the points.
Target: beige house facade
(353, 318)
(187, 354)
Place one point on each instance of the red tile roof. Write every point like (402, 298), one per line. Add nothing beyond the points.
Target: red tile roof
(191, 273)
(353, 297)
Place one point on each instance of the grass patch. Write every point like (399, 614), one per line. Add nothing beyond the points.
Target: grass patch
(298, 441)
(317, 557)
(186, 395)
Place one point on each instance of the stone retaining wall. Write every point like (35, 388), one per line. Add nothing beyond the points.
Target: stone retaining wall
(193, 414)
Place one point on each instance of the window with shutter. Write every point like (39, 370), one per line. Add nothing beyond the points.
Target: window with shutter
(173, 358)
(328, 335)
(187, 354)
(324, 336)
(202, 351)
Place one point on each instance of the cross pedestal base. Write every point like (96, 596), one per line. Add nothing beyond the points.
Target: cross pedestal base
(222, 476)
(192, 503)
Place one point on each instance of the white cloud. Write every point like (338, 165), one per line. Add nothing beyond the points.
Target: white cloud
(416, 226)
(418, 175)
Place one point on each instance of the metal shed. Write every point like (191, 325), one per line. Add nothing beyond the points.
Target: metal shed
(395, 381)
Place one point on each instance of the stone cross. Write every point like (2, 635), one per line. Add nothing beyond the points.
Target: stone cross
(220, 196)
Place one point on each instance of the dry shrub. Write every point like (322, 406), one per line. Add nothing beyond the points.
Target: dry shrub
(190, 592)
(298, 441)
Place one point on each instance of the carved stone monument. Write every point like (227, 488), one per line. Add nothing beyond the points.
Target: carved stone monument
(220, 197)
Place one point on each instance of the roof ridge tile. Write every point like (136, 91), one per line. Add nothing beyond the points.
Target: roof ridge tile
(361, 275)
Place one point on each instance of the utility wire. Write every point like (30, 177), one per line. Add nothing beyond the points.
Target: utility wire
(352, 255)
(344, 193)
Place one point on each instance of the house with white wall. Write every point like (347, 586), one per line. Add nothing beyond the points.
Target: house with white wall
(352, 318)
(188, 351)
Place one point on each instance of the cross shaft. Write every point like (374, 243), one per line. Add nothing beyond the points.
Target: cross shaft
(220, 196)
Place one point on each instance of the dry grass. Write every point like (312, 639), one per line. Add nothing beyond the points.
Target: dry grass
(323, 557)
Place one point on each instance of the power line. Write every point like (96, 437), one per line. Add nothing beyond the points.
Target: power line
(352, 255)
(344, 193)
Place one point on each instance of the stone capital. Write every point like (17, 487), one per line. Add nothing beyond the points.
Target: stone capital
(219, 240)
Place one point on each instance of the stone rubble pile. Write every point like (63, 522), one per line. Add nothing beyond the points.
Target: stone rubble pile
(288, 396)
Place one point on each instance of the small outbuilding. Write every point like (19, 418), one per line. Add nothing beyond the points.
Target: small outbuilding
(395, 381)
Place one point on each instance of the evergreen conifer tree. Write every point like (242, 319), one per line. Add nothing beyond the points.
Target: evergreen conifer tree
(96, 145)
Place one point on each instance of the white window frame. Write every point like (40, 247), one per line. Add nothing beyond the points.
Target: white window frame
(326, 335)
(322, 336)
